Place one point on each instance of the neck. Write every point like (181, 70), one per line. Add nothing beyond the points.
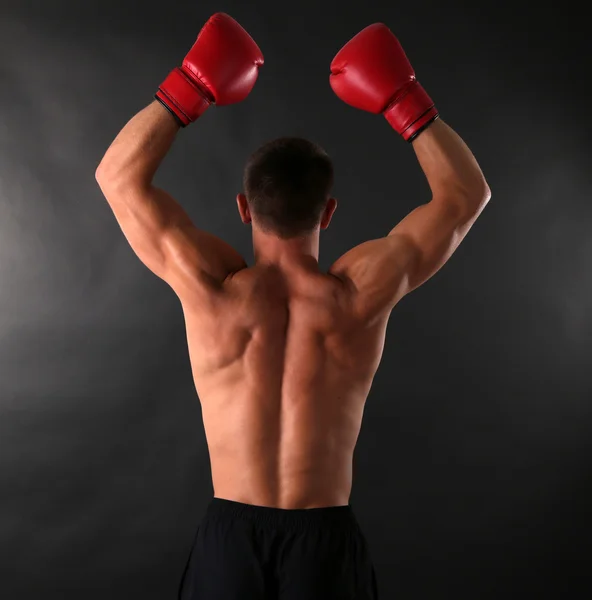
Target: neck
(269, 249)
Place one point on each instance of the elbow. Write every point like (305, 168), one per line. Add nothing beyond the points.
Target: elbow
(101, 180)
(110, 175)
(486, 193)
(485, 197)
(478, 192)
(110, 183)
(107, 173)
(103, 174)
(110, 178)
(467, 202)
(477, 198)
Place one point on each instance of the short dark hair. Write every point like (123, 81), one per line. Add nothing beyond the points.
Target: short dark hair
(287, 183)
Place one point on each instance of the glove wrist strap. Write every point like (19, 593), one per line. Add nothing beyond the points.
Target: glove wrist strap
(183, 97)
(411, 111)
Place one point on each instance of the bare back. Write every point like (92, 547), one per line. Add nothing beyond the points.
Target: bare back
(283, 358)
(283, 368)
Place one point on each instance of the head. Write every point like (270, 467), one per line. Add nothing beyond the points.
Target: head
(287, 185)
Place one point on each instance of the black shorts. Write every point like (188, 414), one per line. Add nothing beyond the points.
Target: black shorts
(244, 552)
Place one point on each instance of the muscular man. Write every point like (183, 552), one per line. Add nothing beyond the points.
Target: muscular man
(283, 355)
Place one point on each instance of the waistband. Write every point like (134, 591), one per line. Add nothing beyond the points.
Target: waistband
(300, 518)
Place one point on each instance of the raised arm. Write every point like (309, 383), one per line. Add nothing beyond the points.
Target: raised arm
(221, 67)
(376, 76)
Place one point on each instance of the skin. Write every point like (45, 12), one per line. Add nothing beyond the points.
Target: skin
(282, 354)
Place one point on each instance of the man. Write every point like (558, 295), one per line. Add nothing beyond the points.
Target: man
(283, 355)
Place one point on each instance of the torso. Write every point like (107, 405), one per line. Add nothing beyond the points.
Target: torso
(283, 369)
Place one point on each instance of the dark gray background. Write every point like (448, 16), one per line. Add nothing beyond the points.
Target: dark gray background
(473, 470)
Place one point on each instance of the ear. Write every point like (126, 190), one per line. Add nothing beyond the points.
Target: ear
(243, 209)
(328, 213)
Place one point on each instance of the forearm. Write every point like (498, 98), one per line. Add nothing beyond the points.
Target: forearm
(136, 153)
(450, 167)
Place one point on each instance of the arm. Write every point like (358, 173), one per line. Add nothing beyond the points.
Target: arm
(221, 67)
(382, 271)
(156, 226)
(372, 72)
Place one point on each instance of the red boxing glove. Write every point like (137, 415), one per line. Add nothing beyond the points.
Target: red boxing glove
(221, 67)
(371, 72)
